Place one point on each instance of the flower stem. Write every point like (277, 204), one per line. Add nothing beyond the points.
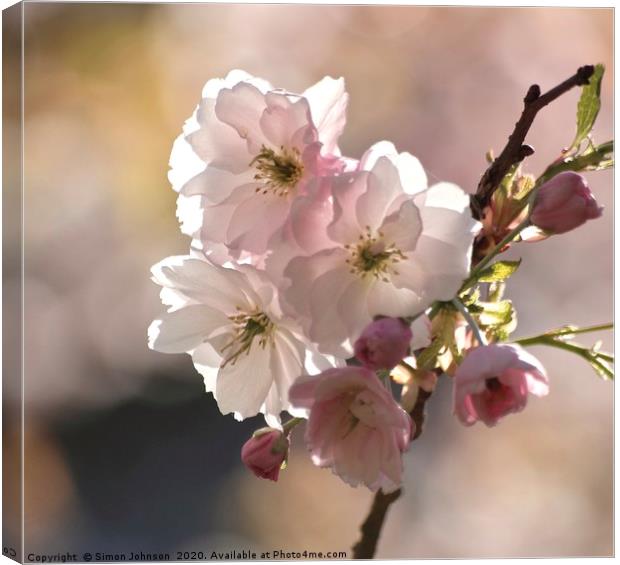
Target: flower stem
(592, 357)
(290, 424)
(470, 320)
(568, 331)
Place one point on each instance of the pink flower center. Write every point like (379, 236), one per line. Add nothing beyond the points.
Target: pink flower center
(278, 172)
(371, 256)
(498, 397)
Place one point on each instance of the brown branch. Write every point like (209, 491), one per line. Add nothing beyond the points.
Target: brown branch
(515, 150)
(371, 528)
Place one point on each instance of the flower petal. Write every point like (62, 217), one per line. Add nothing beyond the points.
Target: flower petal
(242, 386)
(185, 329)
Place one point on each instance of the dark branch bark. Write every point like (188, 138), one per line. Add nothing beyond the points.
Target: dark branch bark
(515, 150)
(371, 528)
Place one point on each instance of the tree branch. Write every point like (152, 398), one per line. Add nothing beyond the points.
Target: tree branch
(371, 528)
(515, 150)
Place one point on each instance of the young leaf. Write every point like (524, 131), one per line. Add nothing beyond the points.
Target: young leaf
(588, 106)
(498, 318)
(593, 159)
(602, 369)
(499, 271)
(496, 291)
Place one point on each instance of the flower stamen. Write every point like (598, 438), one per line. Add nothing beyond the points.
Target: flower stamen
(279, 172)
(371, 256)
(247, 326)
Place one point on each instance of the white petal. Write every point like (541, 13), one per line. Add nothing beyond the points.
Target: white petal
(221, 288)
(283, 121)
(242, 387)
(347, 189)
(214, 86)
(384, 299)
(383, 195)
(242, 107)
(272, 408)
(255, 221)
(328, 103)
(286, 364)
(216, 142)
(375, 152)
(403, 227)
(218, 184)
(303, 272)
(352, 305)
(184, 330)
(189, 213)
(413, 178)
(421, 330)
(207, 362)
(412, 175)
(184, 163)
(327, 327)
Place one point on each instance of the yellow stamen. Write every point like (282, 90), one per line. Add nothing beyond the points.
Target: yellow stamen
(279, 172)
(247, 326)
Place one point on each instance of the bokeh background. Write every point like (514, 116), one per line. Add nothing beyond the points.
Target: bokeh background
(124, 451)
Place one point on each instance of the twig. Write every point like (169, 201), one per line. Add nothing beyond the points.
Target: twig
(470, 321)
(515, 151)
(371, 528)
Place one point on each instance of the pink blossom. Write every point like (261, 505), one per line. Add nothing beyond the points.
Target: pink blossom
(564, 203)
(230, 322)
(495, 380)
(248, 152)
(265, 452)
(396, 247)
(355, 426)
(383, 344)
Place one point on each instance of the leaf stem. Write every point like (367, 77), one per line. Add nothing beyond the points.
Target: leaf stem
(592, 357)
(570, 331)
(470, 320)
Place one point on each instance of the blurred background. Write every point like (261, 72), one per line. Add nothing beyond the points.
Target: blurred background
(124, 450)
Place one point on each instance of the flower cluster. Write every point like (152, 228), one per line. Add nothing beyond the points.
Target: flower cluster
(315, 280)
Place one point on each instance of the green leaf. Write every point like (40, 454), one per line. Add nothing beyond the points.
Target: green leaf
(498, 319)
(588, 106)
(499, 271)
(496, 291)
(428, 358)
(594, 159)
(496, 313)
(602, 369)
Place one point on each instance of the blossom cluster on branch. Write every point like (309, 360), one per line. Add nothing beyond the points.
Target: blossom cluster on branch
(336, 289)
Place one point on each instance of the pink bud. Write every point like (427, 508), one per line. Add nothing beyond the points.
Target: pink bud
(383, 344)
(265, 452)
(564, 203)
(495, 380)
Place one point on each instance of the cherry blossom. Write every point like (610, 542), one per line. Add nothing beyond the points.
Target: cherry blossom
(248, 152)
(495, 380)
(230, 323)
(355, 426)
(397, 247)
